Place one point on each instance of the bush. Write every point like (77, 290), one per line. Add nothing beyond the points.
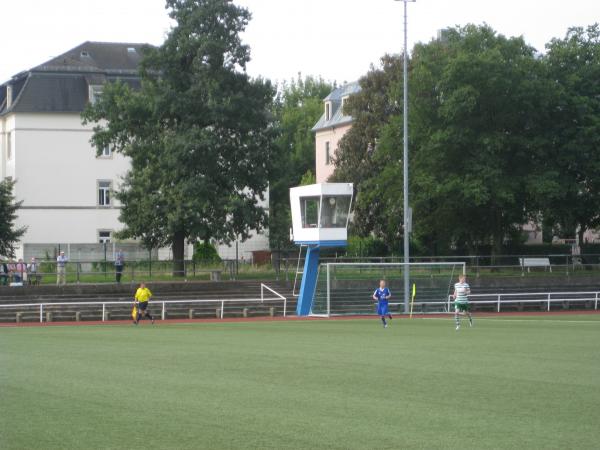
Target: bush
(368, 246)
(206, 253)
(590, 249)
(539, 249)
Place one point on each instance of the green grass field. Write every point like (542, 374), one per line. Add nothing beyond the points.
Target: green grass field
(506, 383)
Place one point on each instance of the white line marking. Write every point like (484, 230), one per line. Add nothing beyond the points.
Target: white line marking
(500, 319)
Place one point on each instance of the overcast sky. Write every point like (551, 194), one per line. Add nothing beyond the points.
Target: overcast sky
(337, 39)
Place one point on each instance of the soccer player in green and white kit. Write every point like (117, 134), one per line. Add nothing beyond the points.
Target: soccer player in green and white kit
(461, 300)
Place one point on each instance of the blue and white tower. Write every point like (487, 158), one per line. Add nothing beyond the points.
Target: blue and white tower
(320, 214)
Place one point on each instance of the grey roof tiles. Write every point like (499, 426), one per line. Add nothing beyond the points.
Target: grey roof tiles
(337, 117)
(61, 84)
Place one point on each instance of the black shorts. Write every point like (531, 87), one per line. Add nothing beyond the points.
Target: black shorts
(142, 306)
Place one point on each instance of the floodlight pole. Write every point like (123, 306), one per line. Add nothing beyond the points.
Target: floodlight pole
(407, 215)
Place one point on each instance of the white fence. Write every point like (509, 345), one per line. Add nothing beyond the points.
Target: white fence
(220, 304)
(546, 298)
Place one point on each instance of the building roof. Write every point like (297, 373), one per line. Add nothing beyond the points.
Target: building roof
(337, 115)
(61, 84)
(110, 57)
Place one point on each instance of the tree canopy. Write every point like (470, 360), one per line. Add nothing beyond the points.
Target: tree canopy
(198, 133)
(573, 68)
(9, 234)
(480, 108)
(298, 106)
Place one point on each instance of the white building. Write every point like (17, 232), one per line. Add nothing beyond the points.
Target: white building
(65, 188)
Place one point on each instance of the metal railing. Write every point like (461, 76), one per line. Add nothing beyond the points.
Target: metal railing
(241, 302)
(105, 271)
(501, 265)
(358, 303)
(546, 298)
(262, 296)
(285, 268)
(498, 299)
(541, 297)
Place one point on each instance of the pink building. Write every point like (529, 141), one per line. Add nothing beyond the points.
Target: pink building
(330, 128)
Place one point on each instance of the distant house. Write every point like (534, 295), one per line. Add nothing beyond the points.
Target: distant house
(330, 128)
(67, 191)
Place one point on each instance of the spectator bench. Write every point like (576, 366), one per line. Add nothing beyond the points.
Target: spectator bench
(528, 263)
(215, 275)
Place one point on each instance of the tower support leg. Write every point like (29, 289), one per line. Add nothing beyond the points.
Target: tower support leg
(309, 281)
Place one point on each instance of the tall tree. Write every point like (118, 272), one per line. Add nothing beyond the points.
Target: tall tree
(573, 66)
(479, 126)
(475, 102)
(298, 106)
(9, 235)
(198, 133)
(378, 205)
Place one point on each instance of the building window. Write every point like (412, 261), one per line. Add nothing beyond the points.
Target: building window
(104, 236)
(327, 111)
(327, 153)
(104, 188)
(106, 152)
(94, 92)
(9, 151)
(344, 100)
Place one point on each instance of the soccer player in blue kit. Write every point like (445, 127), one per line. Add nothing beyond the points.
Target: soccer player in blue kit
(381, 296)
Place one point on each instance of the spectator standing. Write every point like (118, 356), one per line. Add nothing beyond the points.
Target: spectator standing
(119, 264)
(61, 269)
(20, 271)
(12, 270)
(4, 273)
(32, 272)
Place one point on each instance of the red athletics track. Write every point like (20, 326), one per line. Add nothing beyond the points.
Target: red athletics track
(292, 318)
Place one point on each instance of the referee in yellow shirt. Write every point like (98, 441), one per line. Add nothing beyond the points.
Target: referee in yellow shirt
(142, 296)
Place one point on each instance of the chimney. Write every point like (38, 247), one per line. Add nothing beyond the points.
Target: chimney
(9, 96)
(442, 35)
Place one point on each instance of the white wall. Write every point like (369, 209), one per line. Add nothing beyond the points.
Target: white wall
(66, 225)
(244, 249)
(57, 171)
(55, 163)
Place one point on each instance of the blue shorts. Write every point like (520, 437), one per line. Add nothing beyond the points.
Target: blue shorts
(382, 308)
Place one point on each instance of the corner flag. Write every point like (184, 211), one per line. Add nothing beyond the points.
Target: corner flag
(414, 293)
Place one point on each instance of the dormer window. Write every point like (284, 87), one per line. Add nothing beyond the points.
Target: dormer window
(84, 54)
(327, 110)
(131, 50)
(94, 92)
(344, 100)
